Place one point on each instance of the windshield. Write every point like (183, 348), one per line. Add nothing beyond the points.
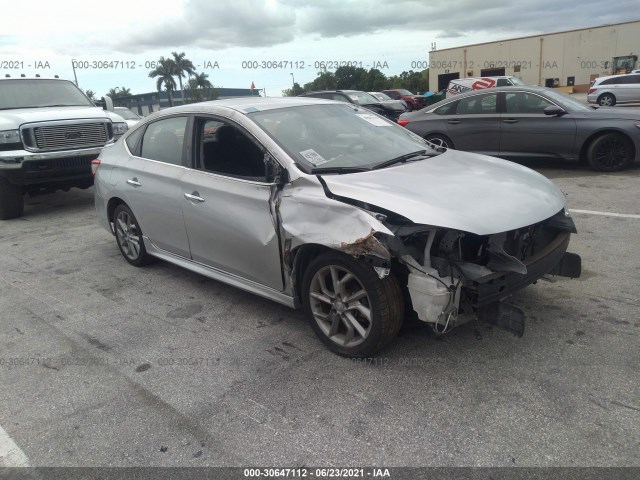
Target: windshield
(126, 114)
(405, 92)
(361, 98)
(566, 102)
(331, 137)
(33, 93)
(382, 96)
(517, 81)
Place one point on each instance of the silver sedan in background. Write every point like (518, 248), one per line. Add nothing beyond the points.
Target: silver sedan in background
(530, 122)
(330, 207)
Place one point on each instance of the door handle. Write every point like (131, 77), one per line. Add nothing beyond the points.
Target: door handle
(510, 120)
(194, 197)
(134, 181)
(453, 122)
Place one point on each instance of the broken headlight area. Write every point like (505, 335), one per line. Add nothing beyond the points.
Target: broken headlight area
(454, 276)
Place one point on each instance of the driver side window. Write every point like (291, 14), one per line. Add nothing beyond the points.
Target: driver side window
(224, 148)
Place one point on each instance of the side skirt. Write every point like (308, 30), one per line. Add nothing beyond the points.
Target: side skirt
(222, 276)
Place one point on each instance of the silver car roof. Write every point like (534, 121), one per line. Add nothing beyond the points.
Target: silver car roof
(249, 104)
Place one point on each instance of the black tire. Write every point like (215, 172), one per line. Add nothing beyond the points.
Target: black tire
(606, 100)
(441, 141)
(129, 237)
(332, 319)
(11, 200)
(610, 152)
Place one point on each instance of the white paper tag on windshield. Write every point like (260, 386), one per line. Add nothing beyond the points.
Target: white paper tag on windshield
(313, 157)
(373, 119)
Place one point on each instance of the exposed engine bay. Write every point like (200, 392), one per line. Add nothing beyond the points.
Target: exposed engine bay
(454, 277)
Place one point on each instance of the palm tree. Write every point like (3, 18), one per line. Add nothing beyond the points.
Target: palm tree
(201, 80)
(182, 65)
(164, 71)
(118, 92)
(91, 94)
(200, 88)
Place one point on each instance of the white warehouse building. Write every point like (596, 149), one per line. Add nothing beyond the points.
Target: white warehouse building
(571, 58)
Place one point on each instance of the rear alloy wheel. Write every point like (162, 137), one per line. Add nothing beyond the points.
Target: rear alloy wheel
(610, 152)
(440, 141)
(606, 100)
(352, 310)
(129, 237)
(11, 200)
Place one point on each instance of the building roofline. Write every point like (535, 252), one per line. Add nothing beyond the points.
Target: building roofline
(536, 36)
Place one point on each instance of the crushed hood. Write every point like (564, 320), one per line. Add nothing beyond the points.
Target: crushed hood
(458, 190)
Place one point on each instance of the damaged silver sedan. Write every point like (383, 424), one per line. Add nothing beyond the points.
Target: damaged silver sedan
(329, 207)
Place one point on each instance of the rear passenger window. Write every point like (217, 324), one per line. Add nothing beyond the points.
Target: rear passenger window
(611, 81)
(448, 109)
(631, 79)
(163, 140)
(477, 105)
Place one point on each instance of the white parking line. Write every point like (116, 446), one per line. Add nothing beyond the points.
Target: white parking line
(10, 453)
(607, 214)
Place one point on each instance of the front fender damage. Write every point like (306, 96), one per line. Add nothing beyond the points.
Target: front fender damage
(314, 219)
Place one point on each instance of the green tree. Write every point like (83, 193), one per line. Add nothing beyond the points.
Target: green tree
(164, 72)
(91, 94)
(416, 82)
(182, 66)
(118, 92)
(324, 81)
(200, 88)
(292, 92)
(351, 78)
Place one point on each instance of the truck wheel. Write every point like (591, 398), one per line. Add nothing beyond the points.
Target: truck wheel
(11, 200)
(351, 310)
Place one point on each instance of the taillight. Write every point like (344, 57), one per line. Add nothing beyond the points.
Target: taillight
(94, 166)
(403, 122)
(591, 90)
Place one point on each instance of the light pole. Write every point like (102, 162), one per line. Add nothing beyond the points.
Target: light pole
(293, 81)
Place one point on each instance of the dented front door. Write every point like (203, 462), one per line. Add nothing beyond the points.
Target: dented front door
(230, 226)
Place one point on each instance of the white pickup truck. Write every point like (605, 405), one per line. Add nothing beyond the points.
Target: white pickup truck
(49, 133)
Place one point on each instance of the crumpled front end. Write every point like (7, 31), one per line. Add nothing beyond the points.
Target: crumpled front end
(449, 276)
(455, 276)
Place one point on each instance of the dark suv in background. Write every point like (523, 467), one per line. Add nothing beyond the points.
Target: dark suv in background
(415, 102)
(389, 110)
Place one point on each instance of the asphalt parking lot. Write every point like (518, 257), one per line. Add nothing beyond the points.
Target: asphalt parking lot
(119, 366)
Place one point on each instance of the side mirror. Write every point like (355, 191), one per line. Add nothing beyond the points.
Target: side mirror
(273, 171)
(554, 110)
(106, 103)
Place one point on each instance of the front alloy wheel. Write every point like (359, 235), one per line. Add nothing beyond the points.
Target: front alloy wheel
(352, 310)
(610, 152)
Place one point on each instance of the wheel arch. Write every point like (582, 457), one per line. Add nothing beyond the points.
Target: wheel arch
(111, 208)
